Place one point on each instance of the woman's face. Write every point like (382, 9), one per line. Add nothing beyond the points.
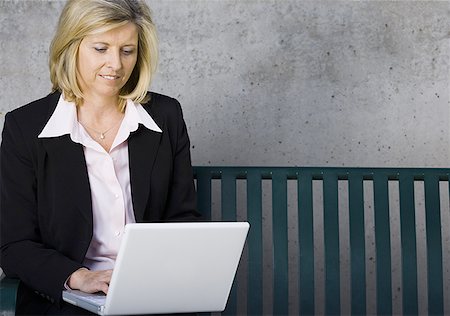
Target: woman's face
(106, 61)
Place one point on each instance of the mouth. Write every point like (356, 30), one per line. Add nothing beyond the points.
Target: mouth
(110, 77)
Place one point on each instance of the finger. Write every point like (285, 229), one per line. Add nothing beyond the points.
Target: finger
(95, 281)
(94, 287)
(105, 288)
(105, 277)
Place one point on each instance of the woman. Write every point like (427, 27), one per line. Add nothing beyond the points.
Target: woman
(95, 154)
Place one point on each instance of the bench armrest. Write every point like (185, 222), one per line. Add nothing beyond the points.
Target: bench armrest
(8, 292)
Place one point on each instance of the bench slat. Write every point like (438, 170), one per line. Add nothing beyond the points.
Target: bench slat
(408, 244)
(255, 247)
(382, 244)
(280, 244)
(331, 237)
(204, 190)
(306, 243)
(228, 197)
(434, 246)
(357, 244)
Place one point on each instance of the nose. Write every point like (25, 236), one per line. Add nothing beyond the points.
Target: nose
(114, 60)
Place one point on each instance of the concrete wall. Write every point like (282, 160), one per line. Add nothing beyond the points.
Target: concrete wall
(339, 83)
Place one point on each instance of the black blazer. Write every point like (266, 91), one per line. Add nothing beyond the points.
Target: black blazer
(46, 213)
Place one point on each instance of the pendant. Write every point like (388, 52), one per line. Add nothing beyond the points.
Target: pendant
(102, 136)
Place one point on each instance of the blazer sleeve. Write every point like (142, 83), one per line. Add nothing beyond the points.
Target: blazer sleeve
(23, 253)
(182, 198)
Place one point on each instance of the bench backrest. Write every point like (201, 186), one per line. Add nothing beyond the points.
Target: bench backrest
(368, 192)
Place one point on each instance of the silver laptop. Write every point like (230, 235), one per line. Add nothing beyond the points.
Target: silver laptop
(170, 268)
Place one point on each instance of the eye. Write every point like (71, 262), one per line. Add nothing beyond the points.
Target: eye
(128, 51)
(100, 49)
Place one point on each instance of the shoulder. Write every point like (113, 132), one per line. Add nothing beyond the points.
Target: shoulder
(162, 105)
(34, 115)
(165, 110)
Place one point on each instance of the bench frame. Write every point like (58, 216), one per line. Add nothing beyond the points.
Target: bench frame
(380, 177)
(431, 178)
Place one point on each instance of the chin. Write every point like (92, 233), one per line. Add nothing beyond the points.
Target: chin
(109, 93)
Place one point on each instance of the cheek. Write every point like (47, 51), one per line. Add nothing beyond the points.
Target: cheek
(131, 64)
(83, 65)
(89, 66)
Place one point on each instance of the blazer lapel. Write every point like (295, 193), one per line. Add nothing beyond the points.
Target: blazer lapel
(142, 150)
(68, 161)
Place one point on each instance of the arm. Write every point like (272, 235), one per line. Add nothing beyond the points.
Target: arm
(23, 252)
(182, 199)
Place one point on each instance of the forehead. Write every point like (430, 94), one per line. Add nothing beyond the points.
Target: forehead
(124, 34)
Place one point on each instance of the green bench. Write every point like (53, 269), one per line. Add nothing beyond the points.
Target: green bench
(274, 196)
(312, 186)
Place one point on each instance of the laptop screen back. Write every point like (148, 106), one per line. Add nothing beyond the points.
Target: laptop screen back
(175, 267)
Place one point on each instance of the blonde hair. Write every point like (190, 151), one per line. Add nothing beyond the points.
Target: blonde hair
(80, 18)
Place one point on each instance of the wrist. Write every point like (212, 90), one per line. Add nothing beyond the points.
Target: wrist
(75, 279)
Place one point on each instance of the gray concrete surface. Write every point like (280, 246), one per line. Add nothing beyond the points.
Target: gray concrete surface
(353, 83)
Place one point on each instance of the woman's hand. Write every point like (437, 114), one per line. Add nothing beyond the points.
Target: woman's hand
(90, 281)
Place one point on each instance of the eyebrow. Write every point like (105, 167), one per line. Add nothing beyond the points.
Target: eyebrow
(107, 44)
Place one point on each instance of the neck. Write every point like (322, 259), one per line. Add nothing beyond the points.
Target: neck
(100, 113)
(96, 100)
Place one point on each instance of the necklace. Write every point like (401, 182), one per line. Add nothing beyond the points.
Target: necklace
(101, 134)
